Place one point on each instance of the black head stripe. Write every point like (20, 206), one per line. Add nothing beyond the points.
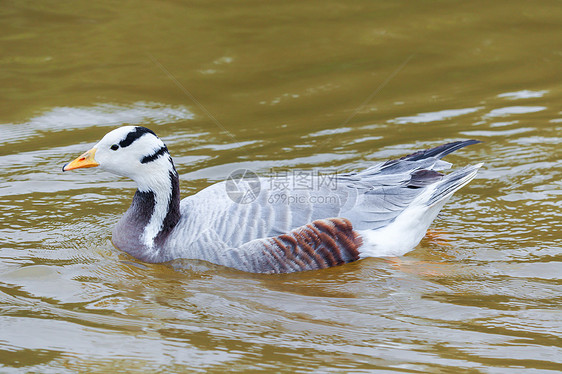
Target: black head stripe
(162, 151)
(134, 135)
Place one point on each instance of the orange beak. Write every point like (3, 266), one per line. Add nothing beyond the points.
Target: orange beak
(86, 160)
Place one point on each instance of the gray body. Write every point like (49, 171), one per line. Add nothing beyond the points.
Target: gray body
(270, 234)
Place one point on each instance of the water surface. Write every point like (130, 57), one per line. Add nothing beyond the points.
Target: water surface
(277, 86)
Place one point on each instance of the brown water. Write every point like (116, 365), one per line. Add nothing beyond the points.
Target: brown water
(286, 84)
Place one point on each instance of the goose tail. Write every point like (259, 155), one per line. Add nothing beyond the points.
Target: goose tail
(452, 182)
(406, 231)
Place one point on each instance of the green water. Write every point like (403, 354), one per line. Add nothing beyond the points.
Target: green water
(270, 86)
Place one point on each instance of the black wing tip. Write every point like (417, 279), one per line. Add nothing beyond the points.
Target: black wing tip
(441, 150)
(459, 143)
(454, 146)
(469, 142)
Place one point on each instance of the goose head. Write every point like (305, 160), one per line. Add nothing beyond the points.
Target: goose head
(134, 152)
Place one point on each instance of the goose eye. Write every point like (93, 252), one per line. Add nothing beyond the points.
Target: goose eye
(114, 147)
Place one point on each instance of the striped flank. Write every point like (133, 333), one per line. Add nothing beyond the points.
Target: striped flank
(318, 245)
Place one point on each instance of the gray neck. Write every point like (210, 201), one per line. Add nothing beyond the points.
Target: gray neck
(153, 214)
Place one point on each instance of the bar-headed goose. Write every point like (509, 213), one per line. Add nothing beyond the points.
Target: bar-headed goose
(383, 210)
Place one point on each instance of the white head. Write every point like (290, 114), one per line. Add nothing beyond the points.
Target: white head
(130, 151)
